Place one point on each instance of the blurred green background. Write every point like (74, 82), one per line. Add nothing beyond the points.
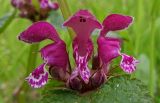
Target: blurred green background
(141, 40)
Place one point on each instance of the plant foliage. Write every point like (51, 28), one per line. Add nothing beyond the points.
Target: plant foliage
(116, 90)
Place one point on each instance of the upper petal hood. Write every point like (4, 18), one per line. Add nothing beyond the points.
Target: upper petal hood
(38, 32)
(115, 22)
(83, 23)
(82, 19)
(108, 49)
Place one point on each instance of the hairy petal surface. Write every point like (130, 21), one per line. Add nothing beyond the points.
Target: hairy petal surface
(128, 63)
(38, 77)
(115, 22)
(38, 32)
(108, 49)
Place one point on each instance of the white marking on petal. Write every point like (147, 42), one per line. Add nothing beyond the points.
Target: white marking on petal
(38, 77)
(82, 66)
(128, 63)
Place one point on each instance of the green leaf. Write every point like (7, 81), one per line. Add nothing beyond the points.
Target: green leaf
(6, 20)
(116, 90)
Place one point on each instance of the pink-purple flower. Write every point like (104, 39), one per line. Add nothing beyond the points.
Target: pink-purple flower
(33, 10)
(80, 77)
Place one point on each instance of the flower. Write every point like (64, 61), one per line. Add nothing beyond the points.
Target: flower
(38, 77)
(31, 9)
(82, 78)
(128, 63)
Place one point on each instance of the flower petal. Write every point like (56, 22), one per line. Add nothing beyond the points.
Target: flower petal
(82, 61)
(128, 63)
(38, 77)
(78, 49)
(74, 82)
(85, 73)
(96, 63)
(43, 3)
(54, 5)
(20, 3)
(115, 22)
(83, 18)
(38, 32)
(82, 66)
(55, 54)
(59, 73)
(108, 49)
(83, 23)
(98, 78)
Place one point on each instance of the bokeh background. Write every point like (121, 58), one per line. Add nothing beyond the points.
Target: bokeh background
(142, 40)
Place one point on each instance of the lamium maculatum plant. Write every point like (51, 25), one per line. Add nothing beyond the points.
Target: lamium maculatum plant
(34, 10)
(55, 55)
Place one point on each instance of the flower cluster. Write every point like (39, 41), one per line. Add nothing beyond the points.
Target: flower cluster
(33, 9)
(55, 56)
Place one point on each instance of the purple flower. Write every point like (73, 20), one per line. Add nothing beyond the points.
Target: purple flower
(28, 9)
(116, 22)
(82, 78)
(43, 3)
(38, 77)
(48, 4)
(54, 54)
(128, 63)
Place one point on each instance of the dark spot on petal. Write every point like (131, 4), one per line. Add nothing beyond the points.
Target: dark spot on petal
(84, 20)
(81, 20)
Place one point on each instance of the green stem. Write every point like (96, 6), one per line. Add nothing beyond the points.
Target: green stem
(66, 14)
(154, 12)
(32, 58)
(152, 63)
(24, 88)
(139, 17)
(138, 27)
(31, 64)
